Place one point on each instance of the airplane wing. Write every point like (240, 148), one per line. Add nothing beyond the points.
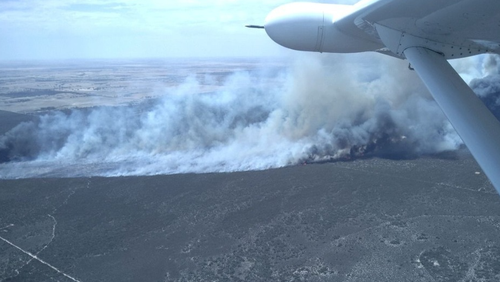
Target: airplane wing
(476, 125)
(474, 25)
(425, 32)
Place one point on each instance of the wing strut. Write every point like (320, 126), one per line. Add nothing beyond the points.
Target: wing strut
(475, 124)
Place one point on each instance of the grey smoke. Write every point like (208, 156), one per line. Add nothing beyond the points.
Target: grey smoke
(488, 86)
(321, 108)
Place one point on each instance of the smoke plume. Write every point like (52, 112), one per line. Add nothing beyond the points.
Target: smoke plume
(487, 87)
(321, 108)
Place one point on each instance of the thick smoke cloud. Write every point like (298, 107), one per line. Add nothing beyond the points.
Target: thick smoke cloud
(321, 108)
(488, 86)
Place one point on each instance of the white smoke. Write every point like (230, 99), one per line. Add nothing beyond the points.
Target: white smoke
(320, 108)
(489, 82)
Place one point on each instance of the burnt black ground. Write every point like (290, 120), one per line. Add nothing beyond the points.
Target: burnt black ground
(427, 219)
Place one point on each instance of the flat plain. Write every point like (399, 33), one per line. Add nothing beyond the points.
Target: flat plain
(434, 218)
(427, 219)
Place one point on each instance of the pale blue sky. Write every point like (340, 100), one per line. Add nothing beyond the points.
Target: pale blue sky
(61, 29)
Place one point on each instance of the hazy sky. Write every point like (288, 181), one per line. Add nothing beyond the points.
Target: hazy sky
(58, 29)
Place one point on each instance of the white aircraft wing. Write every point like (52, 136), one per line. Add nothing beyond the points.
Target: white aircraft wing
(475, 124)
(425, 32)
(473, 25)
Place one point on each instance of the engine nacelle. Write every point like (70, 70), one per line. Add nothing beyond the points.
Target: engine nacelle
(311, 27)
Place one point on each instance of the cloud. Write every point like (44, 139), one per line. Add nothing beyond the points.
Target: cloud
(132, 14)
(133, 28)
